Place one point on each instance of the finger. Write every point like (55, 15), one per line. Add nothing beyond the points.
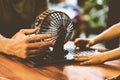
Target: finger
(77, 48)
(82, 56)
(81, 59)
(3, 78)
(86, 63)
(28, 31)
(79, 56)
(76, 40)
(91, 42)
(88, 45)
(79, 41)
(38, 45)
(36, 51)
(38, 37)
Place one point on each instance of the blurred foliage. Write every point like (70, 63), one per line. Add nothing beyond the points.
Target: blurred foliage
(95, 12)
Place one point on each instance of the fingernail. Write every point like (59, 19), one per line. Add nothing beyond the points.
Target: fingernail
(81, 64)
(87, 45)
(77, 48)
(37, 28)
(49, 35)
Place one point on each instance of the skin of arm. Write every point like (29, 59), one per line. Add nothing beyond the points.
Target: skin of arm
(110, 33)
(22, 46)
(112, 54)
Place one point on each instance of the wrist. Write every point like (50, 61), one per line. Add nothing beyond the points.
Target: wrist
(106, 56)
(3, 42)
(92, 42)
(96, 40)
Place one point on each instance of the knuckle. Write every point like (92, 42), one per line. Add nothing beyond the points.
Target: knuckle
(45, 44)
(25, 47)
(21, 30)
(24, 54)
(25, 41)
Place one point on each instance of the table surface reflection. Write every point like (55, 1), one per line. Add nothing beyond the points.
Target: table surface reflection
(11, 69)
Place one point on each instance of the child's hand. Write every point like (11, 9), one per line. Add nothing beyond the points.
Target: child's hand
(90, 59)
(81, 43)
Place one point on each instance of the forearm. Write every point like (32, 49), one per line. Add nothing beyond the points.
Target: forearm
(111, 55)
(110, 33)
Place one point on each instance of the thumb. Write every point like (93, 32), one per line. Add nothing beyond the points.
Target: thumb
(88, 45)
(29, 31)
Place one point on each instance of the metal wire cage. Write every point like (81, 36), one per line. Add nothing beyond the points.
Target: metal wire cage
(53, 22)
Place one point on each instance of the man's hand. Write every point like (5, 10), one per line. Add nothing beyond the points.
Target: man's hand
(21, 45)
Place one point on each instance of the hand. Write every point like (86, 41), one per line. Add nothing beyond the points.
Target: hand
(82, 43)
(22, 46)
(90, 59)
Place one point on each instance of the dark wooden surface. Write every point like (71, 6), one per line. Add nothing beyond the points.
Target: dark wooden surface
(14, 70)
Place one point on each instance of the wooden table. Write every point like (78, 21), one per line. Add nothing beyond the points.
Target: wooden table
(14, 70)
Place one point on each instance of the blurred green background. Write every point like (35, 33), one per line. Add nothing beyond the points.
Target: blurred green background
(88, 16)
